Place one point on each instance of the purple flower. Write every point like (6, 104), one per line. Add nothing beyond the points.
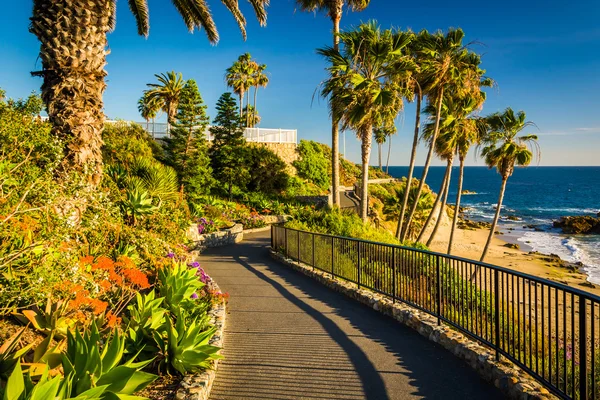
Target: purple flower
(171, 255)
(195, 264)
(194, 296)
(200, 229)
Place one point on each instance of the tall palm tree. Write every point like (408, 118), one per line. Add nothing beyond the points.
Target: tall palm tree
(261, 80)
(466, 126)
(334, 9)
(73, 37)
(380, 138)
(240, 77)
(148, 110)
(445, 65)
(415, 93)
(502, 149)
(167, 93)
(365, 85)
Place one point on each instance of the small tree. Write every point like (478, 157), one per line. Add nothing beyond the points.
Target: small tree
(313, 164)
(186, 150)
(228, 148)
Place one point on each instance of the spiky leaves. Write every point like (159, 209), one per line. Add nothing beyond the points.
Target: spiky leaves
(364, 86)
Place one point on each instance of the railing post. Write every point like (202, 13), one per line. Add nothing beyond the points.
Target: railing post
(332, 256)
(298, 246)
(313, 250)
(438, 289)
(394, 275)
(583, 348)
(497, 312)
(285, 231)
(272, 231)
(359, 263)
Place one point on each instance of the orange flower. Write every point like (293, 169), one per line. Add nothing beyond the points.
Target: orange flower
(137, 278)
(106, 285)
(87, 260)
(112, 320)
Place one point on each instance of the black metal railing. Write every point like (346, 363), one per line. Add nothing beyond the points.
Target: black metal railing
(550, 330)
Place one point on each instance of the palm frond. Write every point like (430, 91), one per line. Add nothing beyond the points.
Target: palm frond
(139, 9)
(260, 10)
(234, 9)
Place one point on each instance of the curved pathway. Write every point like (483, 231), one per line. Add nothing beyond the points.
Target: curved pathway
(288, 337)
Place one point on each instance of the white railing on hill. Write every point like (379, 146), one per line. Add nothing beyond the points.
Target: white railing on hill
(257, 135)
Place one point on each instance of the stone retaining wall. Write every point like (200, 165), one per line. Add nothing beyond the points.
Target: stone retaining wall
(221, 238)
(510, 379)
(198, 386)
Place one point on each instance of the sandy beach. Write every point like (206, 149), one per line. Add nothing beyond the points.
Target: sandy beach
(469, 244)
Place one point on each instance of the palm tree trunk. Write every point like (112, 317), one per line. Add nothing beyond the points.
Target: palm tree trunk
(457, 206)
(241, 103)
(366, 156)
(335, 135)
(443, 206)
(73, 60)
(496, 217)
(379, 150)
(248, 110)
(413, 208)
(254, 112)
(387, 164)
(411, 168)
(437, 201)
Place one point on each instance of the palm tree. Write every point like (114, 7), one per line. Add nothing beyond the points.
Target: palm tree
(260, 80)
(380, 138)
(148, 110)
(415, 92)
(167, 93)
(445, 64)
(466, 133)
(73, 37)
(240, 77)
(365, 85)
(334, 9)
(502, 149)
(250, 115)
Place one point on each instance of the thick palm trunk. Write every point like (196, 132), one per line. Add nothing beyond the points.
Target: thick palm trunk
(73, 55)
(436, 131)
(496, 217)
(335, 135)
(366, 156)
(437, 201)
(411, 168)
(387, 164)
(443, 206)
(457, 206)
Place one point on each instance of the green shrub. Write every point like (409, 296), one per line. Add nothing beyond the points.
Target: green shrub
(268, 172)
(312, 164)
(123, 142)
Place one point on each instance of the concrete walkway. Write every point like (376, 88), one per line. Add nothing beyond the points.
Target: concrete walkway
(288, 337)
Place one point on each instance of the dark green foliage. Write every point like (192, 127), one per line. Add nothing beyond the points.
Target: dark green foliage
(228, 151)
(267, 170)
(313, 164)
(31, 106)
(228, 128)
(186, 150)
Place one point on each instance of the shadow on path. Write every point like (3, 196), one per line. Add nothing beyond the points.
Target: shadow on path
(319, 343)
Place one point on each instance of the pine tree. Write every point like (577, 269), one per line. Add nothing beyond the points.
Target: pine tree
(186, 150)
(229, 145)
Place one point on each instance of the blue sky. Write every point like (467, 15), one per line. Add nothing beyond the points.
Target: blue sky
(545, 57)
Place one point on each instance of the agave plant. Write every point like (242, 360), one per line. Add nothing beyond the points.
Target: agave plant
(137, 204)
(178, 284)
(52, 319)
(146, 317)
(10, 354)
(186, 348)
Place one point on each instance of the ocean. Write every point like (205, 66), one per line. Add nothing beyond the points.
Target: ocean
(536, 196)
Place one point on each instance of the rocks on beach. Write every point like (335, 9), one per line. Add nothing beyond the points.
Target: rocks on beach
(583, 224)
(473, 225)
(467, 192)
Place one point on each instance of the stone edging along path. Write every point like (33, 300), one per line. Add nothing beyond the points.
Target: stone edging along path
(198, 386)
(510, 379)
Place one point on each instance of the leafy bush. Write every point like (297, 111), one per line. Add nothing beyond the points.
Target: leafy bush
(123, 142)
(312, 164)
(268, 172)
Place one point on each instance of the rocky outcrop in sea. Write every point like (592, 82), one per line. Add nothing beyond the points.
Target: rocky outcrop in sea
(582, 224)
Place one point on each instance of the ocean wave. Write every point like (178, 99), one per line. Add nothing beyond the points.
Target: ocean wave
(568, 248)
(564, 210)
